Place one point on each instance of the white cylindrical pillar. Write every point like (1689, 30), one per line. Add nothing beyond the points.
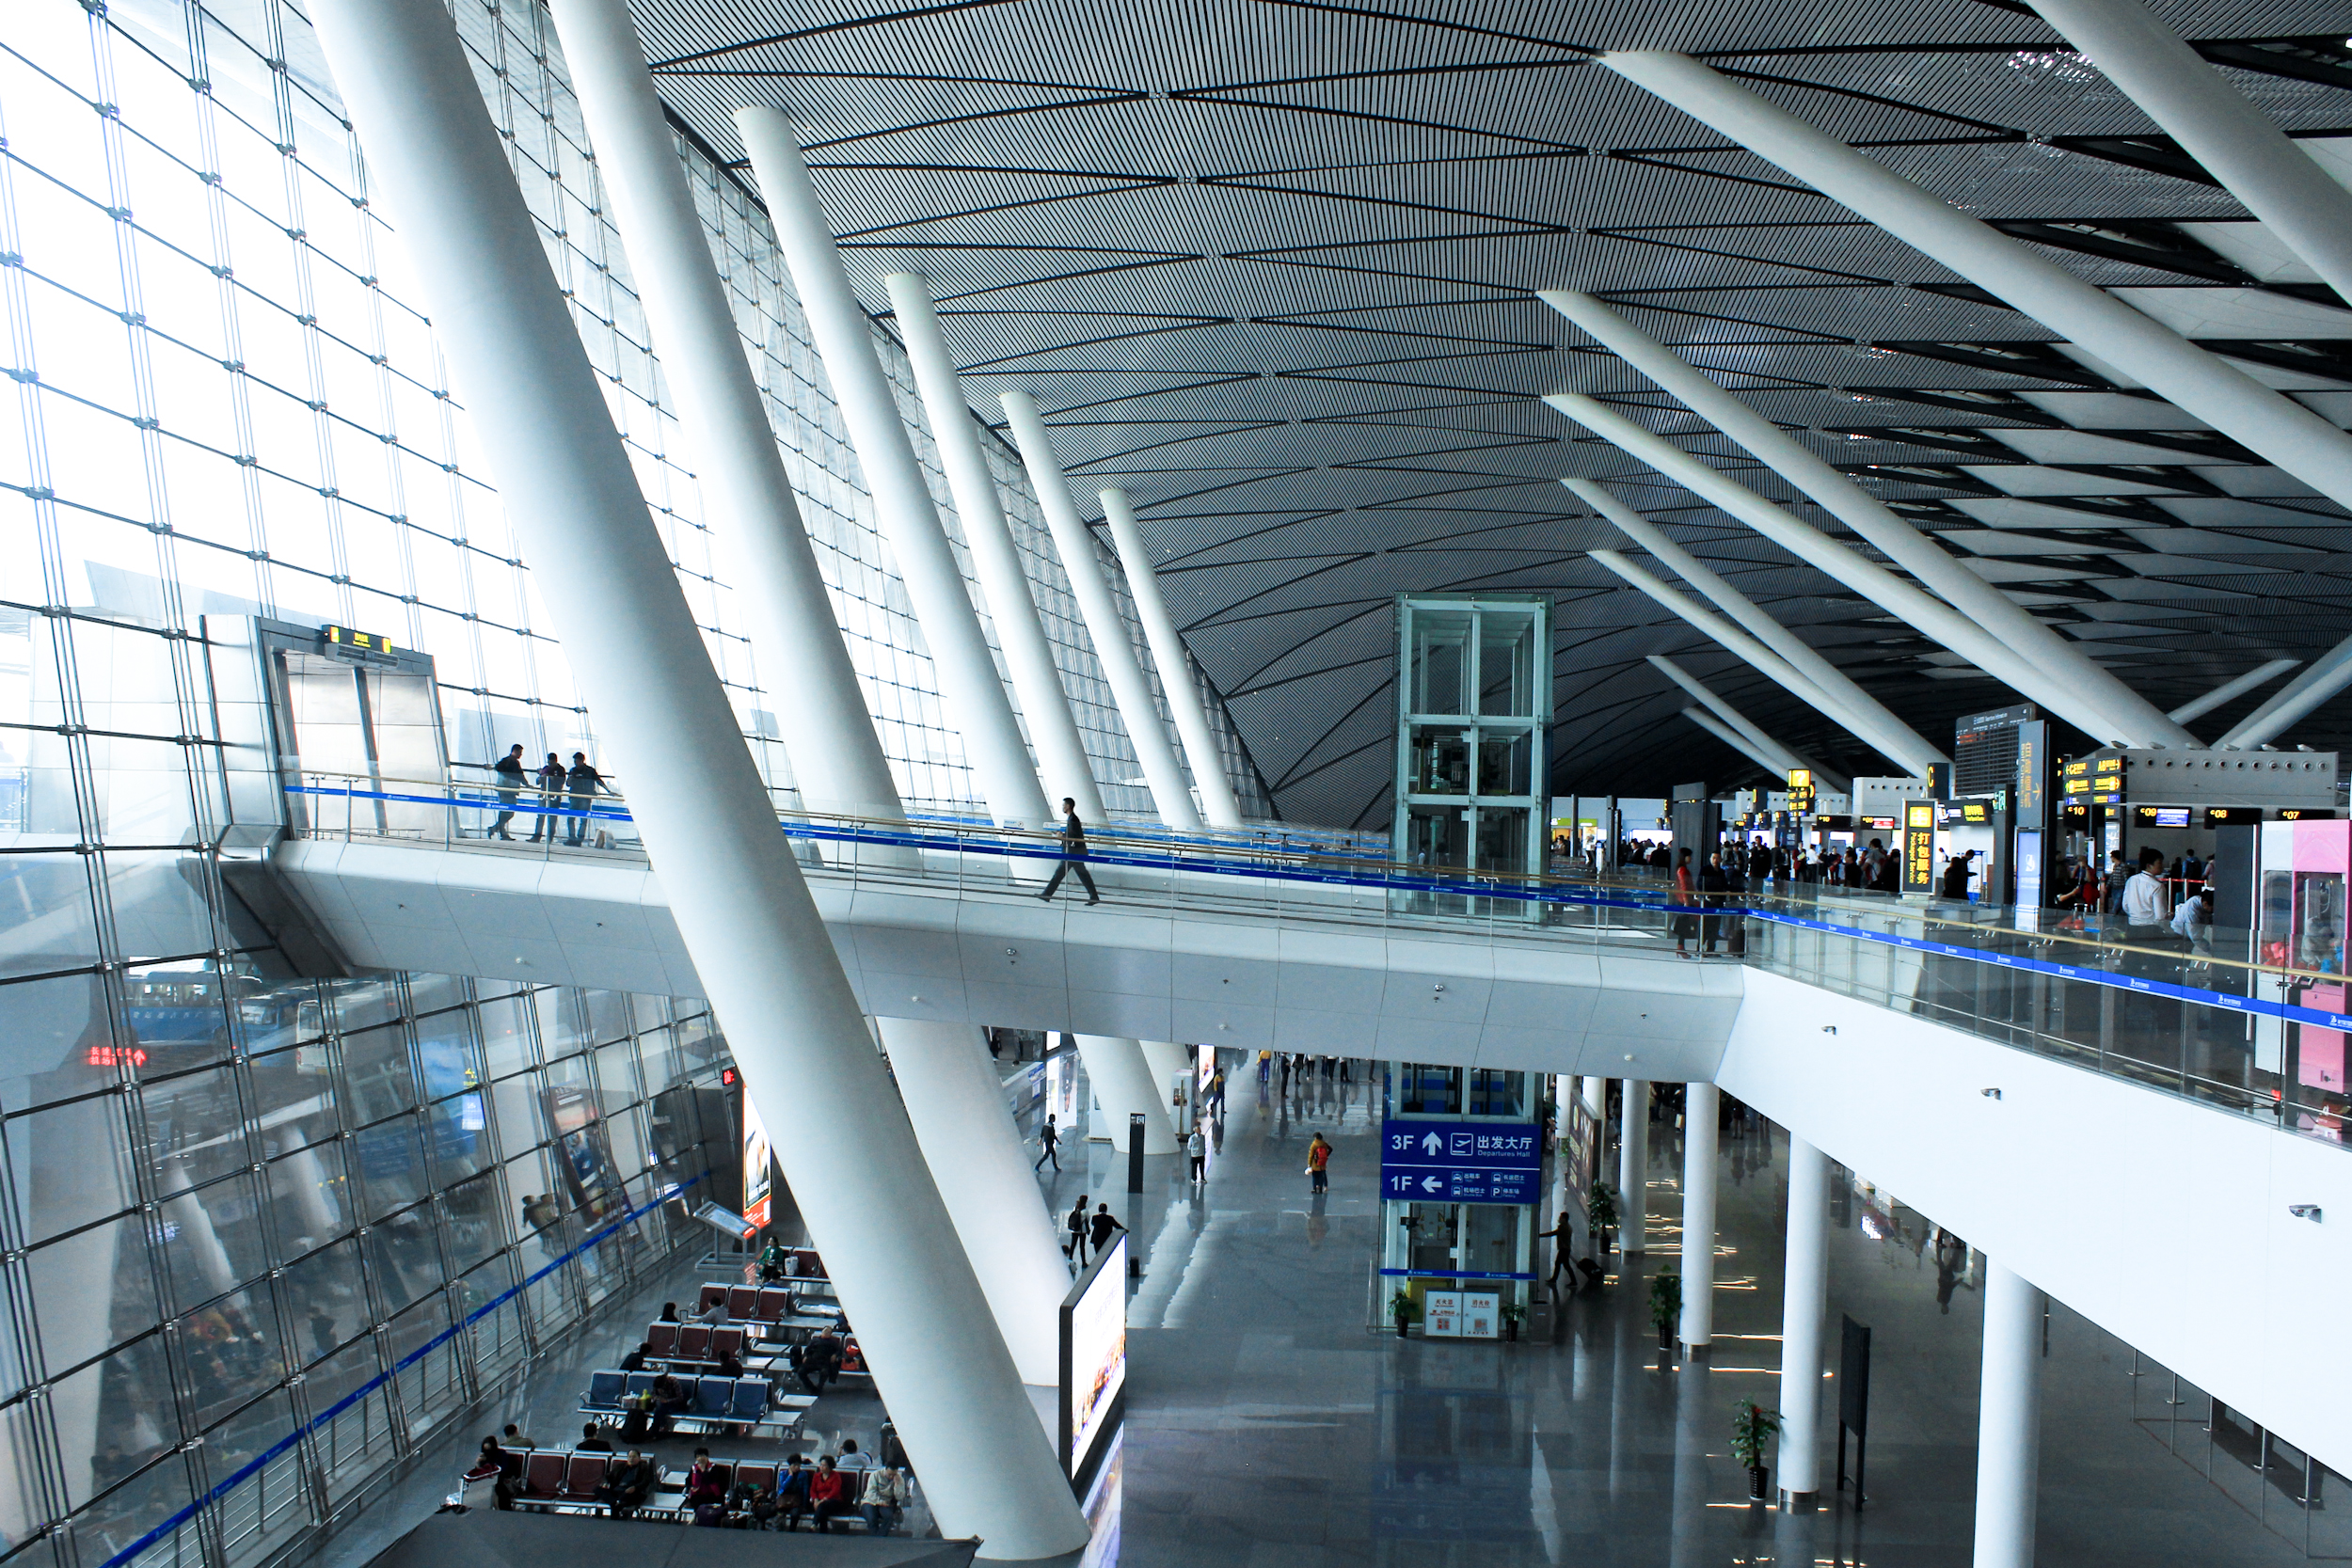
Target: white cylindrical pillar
(2197, 706)
(1633, 1170)
(1116, 650)
(965, 1126)
(1791, 758)
(1218, 805)
(2009, 1422)
(1700, 1110)
(1925, 614)
(2282, 430)
(1167, 1062)
(1123, 1085)
(2017, 628)
(1762, 659)
(1012, 607)
(1836, 694)
(2236, 141)
(972, 693)
(837, 756)
(1775, 761)
(758, 944)
(2329, 674)
(1804, 1297)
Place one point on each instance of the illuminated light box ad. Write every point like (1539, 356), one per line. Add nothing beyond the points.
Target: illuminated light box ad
(1093, 1362)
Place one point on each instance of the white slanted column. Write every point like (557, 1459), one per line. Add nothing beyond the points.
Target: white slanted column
(1028, 657)
(1700, 1110)
(958, 1106)
(1217, 802)
(2329, 674)
(1121, 669)
(758, 944)
(836, 758)
(974, 697)
(2009, 1422)
(1123, 1082)
(1789, 757)
(2231, 688)
(2189, 377)
(2017, 628)
(1834, 691)
(1633, 1170)
(2233, 138)
(1166, 1060)
(1804, 1298)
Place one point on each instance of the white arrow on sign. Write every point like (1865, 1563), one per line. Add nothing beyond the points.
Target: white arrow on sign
(1434, 1144)
(1430, 1184)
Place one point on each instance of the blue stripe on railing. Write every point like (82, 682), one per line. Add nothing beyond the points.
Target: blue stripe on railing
(1469, 885)
(254, 1467)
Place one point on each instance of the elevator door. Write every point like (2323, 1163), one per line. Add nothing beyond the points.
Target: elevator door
(374, 731)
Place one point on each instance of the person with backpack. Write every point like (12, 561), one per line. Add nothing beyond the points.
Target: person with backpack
(1319, 1163)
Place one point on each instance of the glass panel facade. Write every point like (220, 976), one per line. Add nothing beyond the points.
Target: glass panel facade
(241, 1205)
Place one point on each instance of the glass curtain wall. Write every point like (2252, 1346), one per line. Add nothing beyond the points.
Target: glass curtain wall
(260, 1234)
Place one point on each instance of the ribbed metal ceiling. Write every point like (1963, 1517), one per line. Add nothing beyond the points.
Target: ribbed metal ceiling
(1268, 264)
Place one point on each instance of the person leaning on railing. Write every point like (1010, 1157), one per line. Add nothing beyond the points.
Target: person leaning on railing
(585, 784)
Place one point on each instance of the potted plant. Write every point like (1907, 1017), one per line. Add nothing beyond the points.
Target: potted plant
(1665, 1307)
(1751, 1427)
(1512, 1314)
(1403, 1308)
(1600, 1209)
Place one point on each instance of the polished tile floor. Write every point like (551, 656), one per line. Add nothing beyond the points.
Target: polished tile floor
(1267, 1425)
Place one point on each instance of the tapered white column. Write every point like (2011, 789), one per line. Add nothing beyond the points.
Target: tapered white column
(1633, 1170)
(1929, 615)
(758, 944)
(1700, 1110)
(1168, 1061)
(1804, 1297)
(1835, 691)
(2009, 1422)
(2227, 689)
(837, 756)
(1217, 802)
(1762, 659)
(958, 1106)
(2001, 616)
(1113, 647)
(2238, 143)
(1790, 757)
(974, 697)
(1012, 607)
(1772, 762)
(2327, 675)
(2282, 430)
(1123, 1082)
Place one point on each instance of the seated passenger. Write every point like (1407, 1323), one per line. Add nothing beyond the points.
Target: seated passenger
(592, 1439)
(626, 1485)
(829, 1494)
(750, 1505)
(820, 1361)
(885, 1500)
(714, 1314)
(792, 1492)
(706, 1493)
(669, 1402)
(635, 1360)
(669, 1312)
(730, 1364)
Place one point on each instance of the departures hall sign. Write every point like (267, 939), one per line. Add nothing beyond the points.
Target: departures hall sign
(1452, 1162)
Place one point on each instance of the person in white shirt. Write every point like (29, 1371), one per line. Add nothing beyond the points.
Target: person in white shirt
(2193, 920)
(2146, 904)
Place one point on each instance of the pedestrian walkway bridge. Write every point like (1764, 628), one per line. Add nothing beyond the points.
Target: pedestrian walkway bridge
(1253, 940)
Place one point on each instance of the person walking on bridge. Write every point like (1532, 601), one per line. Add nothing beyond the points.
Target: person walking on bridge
(1074, 854)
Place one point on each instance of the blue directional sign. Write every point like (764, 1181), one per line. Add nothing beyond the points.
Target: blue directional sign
(1454, 1161)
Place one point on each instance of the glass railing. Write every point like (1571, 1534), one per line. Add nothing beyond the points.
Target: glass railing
(2216, 1017)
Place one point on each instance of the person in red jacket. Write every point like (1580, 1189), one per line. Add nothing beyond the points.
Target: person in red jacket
(828, 1494)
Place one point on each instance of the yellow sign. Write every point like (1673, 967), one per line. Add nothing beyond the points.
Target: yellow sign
(359, 642)
(1800, 789)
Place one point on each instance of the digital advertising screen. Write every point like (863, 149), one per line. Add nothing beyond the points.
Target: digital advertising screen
(1093, 1361)
(758, 1197)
